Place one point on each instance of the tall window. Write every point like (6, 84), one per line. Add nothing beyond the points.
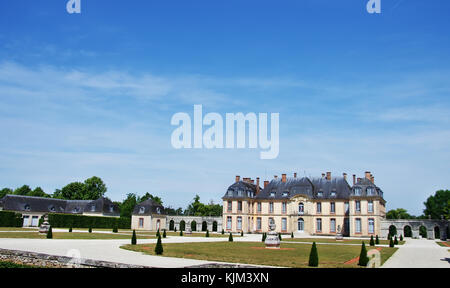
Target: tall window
(332, 225)
(284, 207)
(141, 222)
(239, 205)
(346, 207)
(358, 206)
(358, 225)
(370, 206)
(319, 207)
(332, 207)
(319, 225)
(371, 226)
(239, 223)
(271, 207)
(259, 207)
(229, 206)
(258, 223)
(229, 223)
(283, 224)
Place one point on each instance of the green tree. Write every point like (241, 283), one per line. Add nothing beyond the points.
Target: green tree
(159, 248)
(313, 256)
(72, 191)
(398, 213)
(38, 192)
(133, 238)
(127, 205)
(150, 196)
(438, 205)
(363, 259)
(94, 188)
(5, 191)
(25, 190)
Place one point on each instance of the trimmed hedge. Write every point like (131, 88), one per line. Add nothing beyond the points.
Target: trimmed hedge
(82, 221)
(10, 219)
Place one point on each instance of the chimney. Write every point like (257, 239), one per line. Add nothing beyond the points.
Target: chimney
(265, 184)
(367, 175)
(238, 178)
(359, 179)
(257, 185)
(323, 175)
(252, 181)
(345, 176)
(295, 175)
(275, 176)
(354, 179)
(283, 178)
(373, 179)
(328, 175)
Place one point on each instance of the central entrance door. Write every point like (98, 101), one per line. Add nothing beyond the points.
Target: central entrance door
(301, 225)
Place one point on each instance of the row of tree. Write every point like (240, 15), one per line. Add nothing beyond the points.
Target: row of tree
(436, 207)
(94, 188)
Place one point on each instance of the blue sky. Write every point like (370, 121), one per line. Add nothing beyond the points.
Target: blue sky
(93, 94)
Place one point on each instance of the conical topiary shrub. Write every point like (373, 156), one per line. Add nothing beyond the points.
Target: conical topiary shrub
(207, 233)
(159, 247)
(181, 232)
(175, 229)
(363, 259)
(401, 237)
(157, 233)
(230, 238)
(263, 238)
(292, 234)
(372, 242)
(133, 238)
(279, 236)
(115, 229)
(395, 240)
(164, 233)
(377, 240)
(391, 243)
(223, 231)
(242, 233)
(90, 229)
(50, 233)
(70, 229)
(313, 256)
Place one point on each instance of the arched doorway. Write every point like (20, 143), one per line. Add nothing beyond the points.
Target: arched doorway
(182, 225)
(214, 226)
(171, 225)
(423, 231)
(392, 230)
(437, 233)
(194, 226)
(301, 225)
(407, 231)
(204, 226)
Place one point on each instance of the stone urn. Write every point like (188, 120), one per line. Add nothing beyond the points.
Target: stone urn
(339, 233)
(45, 226)
(272, 240)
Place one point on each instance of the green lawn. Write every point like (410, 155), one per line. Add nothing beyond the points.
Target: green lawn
(331, 240)
(7, 264)
(67, 235)
(296, 255)
(17, 229)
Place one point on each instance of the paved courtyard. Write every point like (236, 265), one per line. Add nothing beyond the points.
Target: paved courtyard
(419, 253)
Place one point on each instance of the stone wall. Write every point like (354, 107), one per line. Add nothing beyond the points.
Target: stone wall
(51, 261)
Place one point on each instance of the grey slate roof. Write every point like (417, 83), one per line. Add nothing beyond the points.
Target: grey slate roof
(313, 188)
(365, 184)
(148, 207)
(51, 205)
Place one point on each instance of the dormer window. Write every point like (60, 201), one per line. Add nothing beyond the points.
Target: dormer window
(141, 210)
(357, 191)
(230, 193)
(272, 194)
(333, 193)
(52, 208)
(158, 210)
(320, 194)
(370, 191)
(27, 207)
(111, 208)
(93, 208)
(76, 210)
(285, 193)
(240, 193)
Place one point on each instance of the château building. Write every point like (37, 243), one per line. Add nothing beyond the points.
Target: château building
(314, 206)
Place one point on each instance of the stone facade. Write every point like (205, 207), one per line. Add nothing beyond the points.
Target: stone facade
(430, 225)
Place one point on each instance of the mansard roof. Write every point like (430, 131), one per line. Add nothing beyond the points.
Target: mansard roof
(21, 203)
(148, 207)
(241, 189)
(366, 185)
